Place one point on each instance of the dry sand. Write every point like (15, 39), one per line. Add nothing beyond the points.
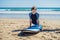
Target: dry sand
(8, 25)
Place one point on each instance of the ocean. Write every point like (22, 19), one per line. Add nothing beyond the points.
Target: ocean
(23, 13)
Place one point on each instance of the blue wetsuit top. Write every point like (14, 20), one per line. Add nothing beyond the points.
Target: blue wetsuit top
(34, 17)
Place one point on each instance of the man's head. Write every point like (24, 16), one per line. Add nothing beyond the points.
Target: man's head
(33, 9)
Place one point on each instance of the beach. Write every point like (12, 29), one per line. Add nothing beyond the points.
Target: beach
(15, 17)
(51, 29)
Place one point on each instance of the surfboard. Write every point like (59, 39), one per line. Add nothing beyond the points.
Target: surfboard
(33, 29)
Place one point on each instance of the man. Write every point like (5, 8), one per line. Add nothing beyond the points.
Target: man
(34, 17)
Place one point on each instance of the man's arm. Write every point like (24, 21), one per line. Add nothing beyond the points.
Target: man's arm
(37, 18)
(38, 22)
(30, 19)
(30, 22)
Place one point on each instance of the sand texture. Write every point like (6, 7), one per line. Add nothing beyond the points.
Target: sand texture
(51, 30)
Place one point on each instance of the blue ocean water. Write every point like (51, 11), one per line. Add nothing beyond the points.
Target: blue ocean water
(26, 16)
(29, 8)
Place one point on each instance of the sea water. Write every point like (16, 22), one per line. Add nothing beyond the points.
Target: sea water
(15, 13)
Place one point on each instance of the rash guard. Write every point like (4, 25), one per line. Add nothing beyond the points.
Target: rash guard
(34, 17)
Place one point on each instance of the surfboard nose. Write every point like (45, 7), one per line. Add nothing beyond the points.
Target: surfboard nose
(40, 27)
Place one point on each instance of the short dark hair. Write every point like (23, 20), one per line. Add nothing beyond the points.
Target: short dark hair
(33, 8)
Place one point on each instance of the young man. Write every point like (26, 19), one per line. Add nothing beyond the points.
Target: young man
(34, 17)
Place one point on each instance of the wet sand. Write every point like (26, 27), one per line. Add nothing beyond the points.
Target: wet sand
(51, 29)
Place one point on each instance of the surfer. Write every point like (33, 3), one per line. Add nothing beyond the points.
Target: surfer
(34, 17)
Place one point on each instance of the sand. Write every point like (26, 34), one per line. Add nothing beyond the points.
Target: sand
(51, 29)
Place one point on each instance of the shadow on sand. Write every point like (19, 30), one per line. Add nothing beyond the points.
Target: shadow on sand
(23, 34)
(30, 34)
(50, 30)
